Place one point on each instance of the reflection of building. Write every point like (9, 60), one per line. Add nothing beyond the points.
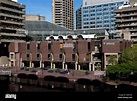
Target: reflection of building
(99, 13)
(126, 21)
(76, 54)
(11, 26)
(34, 18)
(63, 13)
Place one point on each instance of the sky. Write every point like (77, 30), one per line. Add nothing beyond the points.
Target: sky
(43, 7)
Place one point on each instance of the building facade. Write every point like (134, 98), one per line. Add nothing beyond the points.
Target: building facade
(99, 13)
(11, 18)
(29, 17)
(78, 19)
(80, 54)
(126, 21)
(11, 26)
(63, 13)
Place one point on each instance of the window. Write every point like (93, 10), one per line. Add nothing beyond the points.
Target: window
(49, 46)
(28, 46)
(85, 3)
(27, 55)
(38, 45)
(12, 56)
(38, 55)
(89, 46)
(98, 6)
(61, 45)
(74, 49)
(73, 57)
(12, 63)
(60, 56)
(87, 57)
(48, 56)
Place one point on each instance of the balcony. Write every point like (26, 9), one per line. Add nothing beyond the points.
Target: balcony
(12, 16)
(12, 28)
(12, 10)
(129, 25)
(126, 20)
(13, 3)
(96, 59)
(13, 34)
(96, 49)
(127, 9)
(12, 22)
(12, 40)
(129, 15)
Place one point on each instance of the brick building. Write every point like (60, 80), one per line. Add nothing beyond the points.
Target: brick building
(85, 54)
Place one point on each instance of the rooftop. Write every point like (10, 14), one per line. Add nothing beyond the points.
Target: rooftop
(43, 26)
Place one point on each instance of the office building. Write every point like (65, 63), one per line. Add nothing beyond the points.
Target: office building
(63, 13)
(99, 13)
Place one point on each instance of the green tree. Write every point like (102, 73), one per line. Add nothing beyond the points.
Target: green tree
(127, 64)
(129, 55)
(112, 59)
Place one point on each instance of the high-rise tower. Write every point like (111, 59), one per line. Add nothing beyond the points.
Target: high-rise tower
(63, 13)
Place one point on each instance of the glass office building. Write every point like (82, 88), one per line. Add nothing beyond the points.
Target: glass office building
(99, 13)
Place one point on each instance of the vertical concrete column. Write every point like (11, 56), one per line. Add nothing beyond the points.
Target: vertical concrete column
(93, 66)
(117, 56)
(89, 66)
(22, 64)
(76, 63)
(51, 65)
(63, 65)
(54, 66)
(78, 67)
(66, 66)
(30, 64)
(40, 64)
(104, 61)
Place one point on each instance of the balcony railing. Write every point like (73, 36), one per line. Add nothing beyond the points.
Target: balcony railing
(12, 22)
(13, 3)
(12, 10)
(12, 16)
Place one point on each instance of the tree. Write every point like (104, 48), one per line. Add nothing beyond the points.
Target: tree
(112, 59)
(129, 55)
(127, 64)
